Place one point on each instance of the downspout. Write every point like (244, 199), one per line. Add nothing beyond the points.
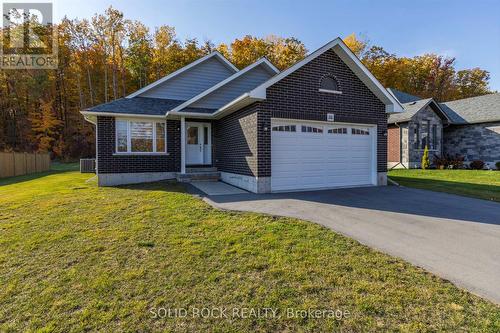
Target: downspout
(96, 141)
(183, 145)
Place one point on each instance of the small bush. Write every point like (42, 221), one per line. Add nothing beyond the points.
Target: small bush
(448, 162)
(477, 165)
(425, 159)
(497, 164)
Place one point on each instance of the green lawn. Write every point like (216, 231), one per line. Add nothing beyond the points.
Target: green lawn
(79, 258)
(482, 184)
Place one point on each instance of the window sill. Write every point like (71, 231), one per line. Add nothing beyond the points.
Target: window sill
(141, 154)
(331, 91)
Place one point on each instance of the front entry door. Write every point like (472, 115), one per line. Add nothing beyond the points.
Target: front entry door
(198, 144)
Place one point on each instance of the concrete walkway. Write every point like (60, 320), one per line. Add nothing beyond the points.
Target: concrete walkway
(217, 188)
(455, 237)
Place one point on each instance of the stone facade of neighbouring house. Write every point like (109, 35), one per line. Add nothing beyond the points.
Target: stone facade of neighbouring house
(468, 127)
(421, 126)
(474, 142)
(430, 133)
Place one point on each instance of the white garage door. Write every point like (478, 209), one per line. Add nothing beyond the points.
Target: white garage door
(307, 155)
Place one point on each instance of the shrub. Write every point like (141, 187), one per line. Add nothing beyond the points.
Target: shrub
(448, 162)
(497, 164)
(425, 159)
(477, 165)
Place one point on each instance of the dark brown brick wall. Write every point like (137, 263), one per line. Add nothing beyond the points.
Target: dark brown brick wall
(235, 139)
(109, 163)
(393, 144)
(297, 97)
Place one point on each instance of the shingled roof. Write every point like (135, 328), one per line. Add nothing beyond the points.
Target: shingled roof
(413, 107)
(403, 97)
(137, 105)
(480, 109)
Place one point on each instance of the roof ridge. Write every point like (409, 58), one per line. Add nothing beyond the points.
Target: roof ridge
(473, 97)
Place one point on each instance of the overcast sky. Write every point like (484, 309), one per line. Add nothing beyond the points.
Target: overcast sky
(467, 30)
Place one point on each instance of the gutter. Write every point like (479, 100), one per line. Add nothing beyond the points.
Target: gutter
(112, 114)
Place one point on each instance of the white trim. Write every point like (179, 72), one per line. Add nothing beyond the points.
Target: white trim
(139, 153)
(183, 69)
(392, 104)
(121, 115)
(330, 91)
(262, 61)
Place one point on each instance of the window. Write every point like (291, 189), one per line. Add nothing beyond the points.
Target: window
(284, 128)
(416, 137)
(192, 135)
(434, 137)
(140, 136)
(329, 84)
(358, 131)
(310, 129)
(340, 130)
(121, 136)
(205, 135)
(160, 137)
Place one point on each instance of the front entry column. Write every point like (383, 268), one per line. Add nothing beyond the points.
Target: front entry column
(183, 145)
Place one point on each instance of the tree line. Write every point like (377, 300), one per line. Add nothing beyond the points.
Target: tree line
(109, 56)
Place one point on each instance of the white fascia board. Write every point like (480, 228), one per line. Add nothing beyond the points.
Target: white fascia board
(236, 104)
(91, 119)
(183, 69)
(392, 104)
(113, 114)
(262, 61)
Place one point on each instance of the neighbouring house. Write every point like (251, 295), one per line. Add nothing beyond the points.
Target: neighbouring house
(468, 127)
(409, 132)
(475, 130)
(321, 123)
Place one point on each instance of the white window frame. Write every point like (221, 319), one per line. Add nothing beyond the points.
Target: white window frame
(337, 92)
(129, 138)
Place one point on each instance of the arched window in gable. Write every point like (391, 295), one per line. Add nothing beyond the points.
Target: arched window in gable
(329, 84)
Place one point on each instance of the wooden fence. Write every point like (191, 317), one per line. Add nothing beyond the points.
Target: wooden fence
(16, 164)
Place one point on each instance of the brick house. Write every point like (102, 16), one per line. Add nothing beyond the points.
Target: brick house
(468, 127)
(322, 123)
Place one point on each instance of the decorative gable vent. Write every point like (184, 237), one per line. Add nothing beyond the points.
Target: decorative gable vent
(329, 84)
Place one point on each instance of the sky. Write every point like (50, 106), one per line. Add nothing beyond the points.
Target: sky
(467, 30)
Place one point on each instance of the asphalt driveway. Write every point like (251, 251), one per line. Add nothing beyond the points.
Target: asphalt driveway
(454, 237)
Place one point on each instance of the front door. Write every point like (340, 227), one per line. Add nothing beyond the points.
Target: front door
(198, 144)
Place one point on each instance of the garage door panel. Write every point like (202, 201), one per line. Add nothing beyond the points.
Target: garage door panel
(320, 160)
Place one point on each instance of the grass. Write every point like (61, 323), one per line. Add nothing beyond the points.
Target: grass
(79, 258)
(482, 184)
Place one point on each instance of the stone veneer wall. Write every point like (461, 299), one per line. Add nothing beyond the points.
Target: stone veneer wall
(421, 118)
(474, 141)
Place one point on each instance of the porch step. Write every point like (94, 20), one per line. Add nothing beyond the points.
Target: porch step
(198, 176)
(201, 169)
